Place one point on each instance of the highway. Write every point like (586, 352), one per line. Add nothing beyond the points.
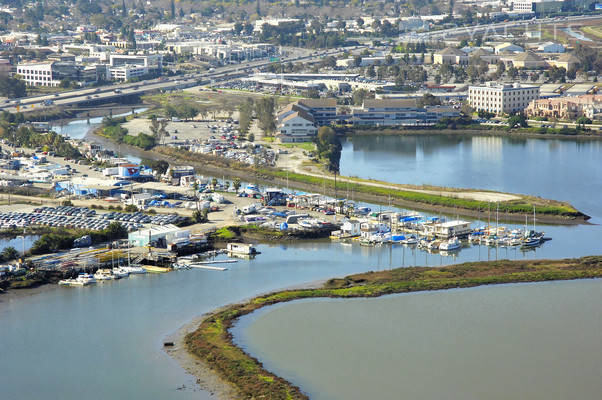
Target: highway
(113, 92)
(482, 29)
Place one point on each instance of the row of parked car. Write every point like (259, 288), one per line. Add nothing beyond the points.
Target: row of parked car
(141, 218)
(23, 220)
(66, 210)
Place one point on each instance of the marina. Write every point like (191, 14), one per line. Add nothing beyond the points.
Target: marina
(189, 293)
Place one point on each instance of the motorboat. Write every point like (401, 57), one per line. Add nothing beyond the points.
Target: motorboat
(134, 269)
(410, 240)
(451, 244)
(532, 242)
(103, 275)
(82, 279)
(308, 223)
(434, 245)
(362, 210)
(251, 190)
(120, 272)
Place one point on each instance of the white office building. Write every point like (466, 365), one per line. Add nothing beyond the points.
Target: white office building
(297, 126)
(153, 62)
(502, 98)
(126, 72)
(37, 74)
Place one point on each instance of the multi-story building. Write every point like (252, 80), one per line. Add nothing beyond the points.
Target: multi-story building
(297, 126)
(125, 72)
(501, 98)
(37, 74)
(537, 6)
(568, 108)
(152, 62)
(400, 112)
(324, 111)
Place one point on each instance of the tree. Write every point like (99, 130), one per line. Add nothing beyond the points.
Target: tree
(583, 120)
(428, 100)
(200, 216)
(116, 231)
(264, 108)
(466, 109)
(236, 184)
(12, 87)
(517, 120)
(172, 8)
(157, 128)
(238, 27)
(9, 253)
(358, 96)
(245, 115)
(160, 166)
(329, 148)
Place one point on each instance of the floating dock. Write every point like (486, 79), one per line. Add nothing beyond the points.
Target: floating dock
(202, 266)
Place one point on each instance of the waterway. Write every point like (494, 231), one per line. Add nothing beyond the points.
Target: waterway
(577, 35)
(79, 129)
(105, 341)
(522, 341)
(558, 169)
(21, 243)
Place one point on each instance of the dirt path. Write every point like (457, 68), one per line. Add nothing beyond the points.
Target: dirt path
(479, 196)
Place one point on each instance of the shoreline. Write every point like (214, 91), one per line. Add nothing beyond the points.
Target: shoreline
(216, 167)
(17, 294)
(213, 343)
(204, 376)
(470, 132)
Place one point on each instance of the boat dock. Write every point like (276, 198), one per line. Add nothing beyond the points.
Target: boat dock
(204, 266)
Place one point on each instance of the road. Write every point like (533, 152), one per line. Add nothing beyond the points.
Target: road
(482, 29)
(113, 92)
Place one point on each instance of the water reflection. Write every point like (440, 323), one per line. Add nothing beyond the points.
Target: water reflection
(568, 170)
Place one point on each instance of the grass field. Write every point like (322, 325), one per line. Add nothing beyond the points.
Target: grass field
(593, 31)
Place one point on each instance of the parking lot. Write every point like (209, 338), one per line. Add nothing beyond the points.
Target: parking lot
(82, 218)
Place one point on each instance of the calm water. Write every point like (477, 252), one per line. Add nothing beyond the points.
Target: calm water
(78, 129)
(529, 341)
(19, 243)
(105, 341)
(569, 170)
